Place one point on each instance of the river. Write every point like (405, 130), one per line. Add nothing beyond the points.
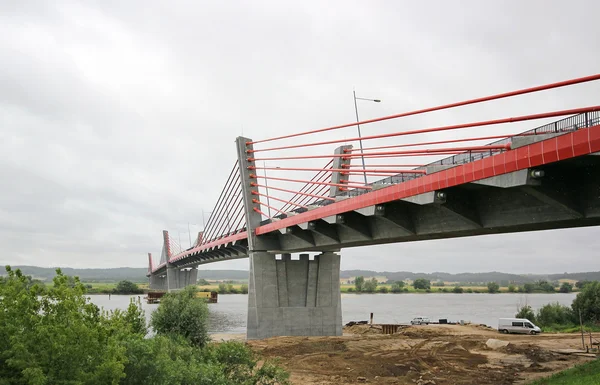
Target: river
(229, 314)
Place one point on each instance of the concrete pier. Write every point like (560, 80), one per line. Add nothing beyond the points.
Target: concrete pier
(294, 297)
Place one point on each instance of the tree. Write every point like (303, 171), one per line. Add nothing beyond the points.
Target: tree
(512, 288)
(223, 288)
(203, 282)
(244, 289)
(370, 286)
(382, 289)
(554, 314)
(493, 287)
(422, 283)
(184, 314)
(566, 287)
(526, 312)
(588, 303)
(56, 336)
(528, 288)
(544, 286)
(358, 283)
(581, 284)
(457, 290)
(127, 287)
(397, 287)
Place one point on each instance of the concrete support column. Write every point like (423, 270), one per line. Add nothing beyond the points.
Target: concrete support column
(188, 277)
(172, 278)
(156, 282)
(294, 297)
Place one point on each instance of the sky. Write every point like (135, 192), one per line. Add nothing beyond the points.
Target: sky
(118, 119)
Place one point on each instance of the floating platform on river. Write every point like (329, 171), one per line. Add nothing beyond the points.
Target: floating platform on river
(155, 296)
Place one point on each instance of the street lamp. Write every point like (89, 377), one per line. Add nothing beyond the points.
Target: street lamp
(190, 233)
(358, 126)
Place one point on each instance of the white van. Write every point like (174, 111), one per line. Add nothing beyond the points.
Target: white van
(517, 325)
(420, 321)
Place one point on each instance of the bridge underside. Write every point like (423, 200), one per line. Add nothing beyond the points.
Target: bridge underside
(559, 195)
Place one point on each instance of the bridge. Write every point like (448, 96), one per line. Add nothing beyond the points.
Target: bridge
(384, 188)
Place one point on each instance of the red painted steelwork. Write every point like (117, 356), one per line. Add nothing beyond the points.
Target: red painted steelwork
(396, 153)
(573, 111)
(329, 170)
(581, 142)
(304, 181)
(293, 192)
(446, 106)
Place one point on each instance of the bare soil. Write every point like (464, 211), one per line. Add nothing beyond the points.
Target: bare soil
(422, 355)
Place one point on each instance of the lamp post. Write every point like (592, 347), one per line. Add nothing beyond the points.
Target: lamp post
(190, 233)
(358, 127)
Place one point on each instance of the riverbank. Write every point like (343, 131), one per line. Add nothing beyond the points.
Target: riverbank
(434, 354)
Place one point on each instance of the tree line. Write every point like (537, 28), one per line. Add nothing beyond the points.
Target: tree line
(421, 284)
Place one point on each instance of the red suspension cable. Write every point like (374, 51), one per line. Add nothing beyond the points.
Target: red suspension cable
(304, 181)
(573, 111)
(445, 106)
(342, 170)
(277, 199)
(396, 153)
(293, 192)
(438, 142)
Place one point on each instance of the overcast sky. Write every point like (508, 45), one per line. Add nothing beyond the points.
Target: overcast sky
(118, 118)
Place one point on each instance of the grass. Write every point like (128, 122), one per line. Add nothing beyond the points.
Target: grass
(571, 328)
(584, 374)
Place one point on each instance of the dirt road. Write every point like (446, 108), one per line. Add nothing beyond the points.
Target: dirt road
(422, 355)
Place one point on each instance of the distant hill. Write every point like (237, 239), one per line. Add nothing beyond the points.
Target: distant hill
(134, 274)
(139, 275)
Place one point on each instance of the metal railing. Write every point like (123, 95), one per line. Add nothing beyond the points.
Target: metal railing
(560, 127)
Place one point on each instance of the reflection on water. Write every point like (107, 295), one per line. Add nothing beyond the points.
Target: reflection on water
(229, 314)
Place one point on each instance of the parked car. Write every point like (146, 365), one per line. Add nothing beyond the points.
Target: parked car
(420, 321)
(517, 325)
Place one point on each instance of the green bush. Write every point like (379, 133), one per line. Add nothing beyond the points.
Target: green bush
(457, 290)
(181, 313)
(554, 314)
(244, 289)
(422, 283)
(526, 312)
(588, 303)
(493, 287)
(358, 283)
(56, 336)
(566, 287)
(382, 289)
(512, 288)
(127, 287)
(223, 288)
(370, 286)
(397, 287)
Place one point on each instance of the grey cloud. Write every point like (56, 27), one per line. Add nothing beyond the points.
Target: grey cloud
(118, 119)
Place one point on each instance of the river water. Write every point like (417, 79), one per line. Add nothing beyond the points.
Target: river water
(229, 314)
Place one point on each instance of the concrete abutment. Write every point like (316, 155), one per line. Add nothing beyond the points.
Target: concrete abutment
(289, 297)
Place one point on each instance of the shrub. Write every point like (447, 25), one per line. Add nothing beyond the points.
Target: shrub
(370, 286)
(127, 287)
(512, 288)
(222, 288)
(457, 290)
(554, 314)
(526, 312)
(566, 287)
(493, 287)
(397, 286)
(183, 314)
(588, 303)
(422, 283)
(382, 289)
(244, 289)
(350, 290)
